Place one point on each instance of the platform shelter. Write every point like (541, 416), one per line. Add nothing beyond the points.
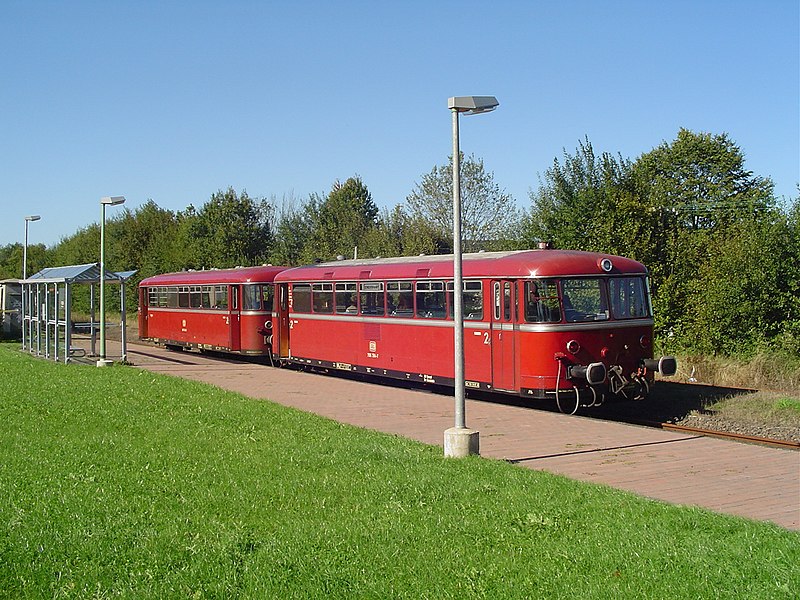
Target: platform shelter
(47, 323)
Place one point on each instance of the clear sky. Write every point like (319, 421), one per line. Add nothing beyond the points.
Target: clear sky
(174, 100)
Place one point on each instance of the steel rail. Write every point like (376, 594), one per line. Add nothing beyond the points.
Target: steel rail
(740, 437)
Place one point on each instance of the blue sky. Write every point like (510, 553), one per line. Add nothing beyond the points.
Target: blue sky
(172, 101)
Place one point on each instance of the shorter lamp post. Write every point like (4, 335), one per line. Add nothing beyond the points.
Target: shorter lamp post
(105, 201)
(25, 248)
(22, 324)
(459, 441)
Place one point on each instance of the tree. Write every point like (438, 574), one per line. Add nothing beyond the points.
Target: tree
(340, 222)
(489, 216)
(398, 233)
(145, 238)
(700, 192)
(292, 234)
(230, 229)
(586, 203)
(716, 246)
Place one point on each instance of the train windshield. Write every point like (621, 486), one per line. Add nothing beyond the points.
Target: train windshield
(584, 300)
(258, 297)
(590, 299)
(541, 301)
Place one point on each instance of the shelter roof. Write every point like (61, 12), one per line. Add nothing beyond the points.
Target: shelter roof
(89, 273)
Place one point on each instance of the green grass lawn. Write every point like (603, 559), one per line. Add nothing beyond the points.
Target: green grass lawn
(122, 483)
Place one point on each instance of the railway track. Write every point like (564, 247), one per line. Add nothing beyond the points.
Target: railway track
(739, 437)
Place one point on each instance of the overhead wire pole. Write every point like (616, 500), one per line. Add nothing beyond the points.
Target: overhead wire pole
(459, 441)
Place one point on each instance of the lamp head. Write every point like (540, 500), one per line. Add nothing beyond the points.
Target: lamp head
(112, 200)
(472, 105)
(33, 218)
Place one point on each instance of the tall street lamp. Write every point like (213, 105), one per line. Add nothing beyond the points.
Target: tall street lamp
(25, 248)
(105, 201)
(458, 440)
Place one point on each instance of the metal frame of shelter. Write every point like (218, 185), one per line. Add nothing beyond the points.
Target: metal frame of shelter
(47, 310)
(10, 313)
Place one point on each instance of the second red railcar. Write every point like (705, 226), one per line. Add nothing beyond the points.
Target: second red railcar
(230, 310)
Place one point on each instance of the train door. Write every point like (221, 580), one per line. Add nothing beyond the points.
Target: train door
(143, 304)
(282, 335)
(503, 339)
(234, 329)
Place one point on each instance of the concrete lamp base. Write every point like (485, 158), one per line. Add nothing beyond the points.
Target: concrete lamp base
(460, 442)
(103, 362)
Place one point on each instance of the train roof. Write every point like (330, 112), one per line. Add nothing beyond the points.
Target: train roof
(513, 264)
(262, 274)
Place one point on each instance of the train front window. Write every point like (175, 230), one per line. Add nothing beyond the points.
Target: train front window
(251, 297)
(629, 298)
(583, 300)
(541, 301)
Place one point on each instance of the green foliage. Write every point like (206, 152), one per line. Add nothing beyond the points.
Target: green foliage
(230, 229)
(122, 483)
(719, 251)
(11, 259)
(489, 216)
(340, 221)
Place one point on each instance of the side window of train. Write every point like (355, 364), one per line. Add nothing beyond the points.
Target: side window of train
(220, 297)
(301, 297)
(183, 297)
(431, 303)
(322, 297)
(284, 301)
(497, 301)
(399, 299)
(172, 297)
(541, 301)
(629, 297)
(472, 299)
(346, 302)
(371, 298)
(506, 300)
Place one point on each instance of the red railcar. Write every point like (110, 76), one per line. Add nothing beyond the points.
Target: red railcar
(228, 310)
(573, 326)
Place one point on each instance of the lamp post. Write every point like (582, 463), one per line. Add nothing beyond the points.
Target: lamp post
(104, 201)
(28, 219)
(459, 441)
(25, 248)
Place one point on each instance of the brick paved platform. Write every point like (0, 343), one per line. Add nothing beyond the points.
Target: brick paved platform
(730, 477)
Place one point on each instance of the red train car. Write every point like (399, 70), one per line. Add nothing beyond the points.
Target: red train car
(230, 310)
(569, 325)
